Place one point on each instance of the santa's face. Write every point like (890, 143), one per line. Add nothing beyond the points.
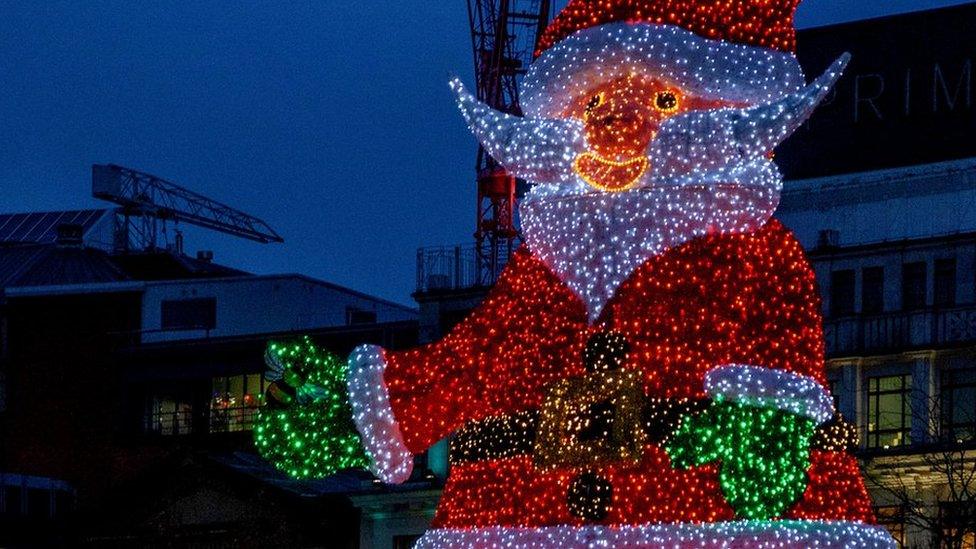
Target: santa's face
(621, 118)
(628, 106)
(638, 137)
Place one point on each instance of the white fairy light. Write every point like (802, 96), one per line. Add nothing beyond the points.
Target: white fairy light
(768, 388)
(791, 534)
(707, 68)
(709, 168)
(391, 461)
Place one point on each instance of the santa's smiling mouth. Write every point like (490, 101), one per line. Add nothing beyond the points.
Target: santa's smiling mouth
(609, 175)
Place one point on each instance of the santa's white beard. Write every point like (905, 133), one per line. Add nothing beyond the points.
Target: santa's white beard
(593, 241)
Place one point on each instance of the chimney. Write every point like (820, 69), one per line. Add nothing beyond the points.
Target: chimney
(70, 235)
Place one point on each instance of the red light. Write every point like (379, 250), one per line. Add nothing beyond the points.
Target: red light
(767, 24)
(716, 300)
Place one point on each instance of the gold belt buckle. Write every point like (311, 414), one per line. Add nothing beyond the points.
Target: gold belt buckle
(594, 419)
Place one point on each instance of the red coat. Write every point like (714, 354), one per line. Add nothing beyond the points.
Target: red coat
(722, 299)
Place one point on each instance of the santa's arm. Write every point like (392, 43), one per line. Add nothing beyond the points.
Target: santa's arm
(390, 459)
(496, 361)
(778, 348)
(766, 405)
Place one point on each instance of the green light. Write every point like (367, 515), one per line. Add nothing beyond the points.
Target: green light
(314, 436)
(761, 475)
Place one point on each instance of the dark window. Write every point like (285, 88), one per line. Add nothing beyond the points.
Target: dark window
(913, 285)
(842, 293)
(420, 461)
(450, 319)
(359, 316)
(892, 517)
(404, 542)
(235, 402)
(39, 503)
(872, 290)
(189, 314)
(63, 504)
(12, 501)
(835, 392)
(959, 404)
(889, 418)
(945, 282)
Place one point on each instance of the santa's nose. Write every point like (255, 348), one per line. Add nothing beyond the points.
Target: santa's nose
(616, 119)
(620, 135)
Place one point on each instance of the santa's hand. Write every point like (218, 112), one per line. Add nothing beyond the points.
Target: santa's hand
(306, 429)
(763, 454)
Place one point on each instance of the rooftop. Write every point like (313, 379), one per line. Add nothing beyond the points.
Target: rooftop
(53, 264)
(42, 227)
(892, 205)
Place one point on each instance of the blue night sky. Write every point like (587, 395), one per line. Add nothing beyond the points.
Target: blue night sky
(331, 120)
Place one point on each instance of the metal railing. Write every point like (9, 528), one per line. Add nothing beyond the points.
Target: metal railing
(451, 268)
(179, 422)
(904, 330)
(230, 420)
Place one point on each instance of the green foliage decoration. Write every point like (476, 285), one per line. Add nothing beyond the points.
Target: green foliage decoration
(307, 429)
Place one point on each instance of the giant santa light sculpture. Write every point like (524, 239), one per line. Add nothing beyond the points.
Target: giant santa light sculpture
(648, 370)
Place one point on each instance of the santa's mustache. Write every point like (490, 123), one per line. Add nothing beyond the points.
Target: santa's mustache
(542, 150)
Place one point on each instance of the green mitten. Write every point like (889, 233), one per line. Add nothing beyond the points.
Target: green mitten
(763, 454)
(306, 430)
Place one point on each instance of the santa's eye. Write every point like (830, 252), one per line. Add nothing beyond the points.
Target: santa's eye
(594, 102)
(666, 101)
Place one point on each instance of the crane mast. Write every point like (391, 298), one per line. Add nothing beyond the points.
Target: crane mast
(504, 35)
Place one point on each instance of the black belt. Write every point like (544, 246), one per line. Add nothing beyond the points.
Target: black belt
(514, 435)
(508, 436)
(606, 352)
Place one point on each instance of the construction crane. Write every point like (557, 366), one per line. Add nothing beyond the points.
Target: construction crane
(504, 35)
(148, 202)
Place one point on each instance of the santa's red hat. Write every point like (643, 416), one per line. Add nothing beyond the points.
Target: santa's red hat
(739, 51)
(762, 23)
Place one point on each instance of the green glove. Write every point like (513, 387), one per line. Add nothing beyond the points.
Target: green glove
(764, 454)
(306, 428)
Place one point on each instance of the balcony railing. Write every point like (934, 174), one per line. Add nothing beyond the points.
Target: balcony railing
(455, 268)
(179, 422)
(905, 330)
(230, 420)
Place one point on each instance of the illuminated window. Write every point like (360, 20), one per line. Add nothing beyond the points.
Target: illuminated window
(169, 416)
(959, 404)
(889, 418)
(842, 293)
(958, 528)
(913, 285)
(872, 290)
(892, 517)
(235, 402)
(945, 283)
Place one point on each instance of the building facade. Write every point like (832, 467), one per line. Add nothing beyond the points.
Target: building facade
(895, 256)
(129, 384)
